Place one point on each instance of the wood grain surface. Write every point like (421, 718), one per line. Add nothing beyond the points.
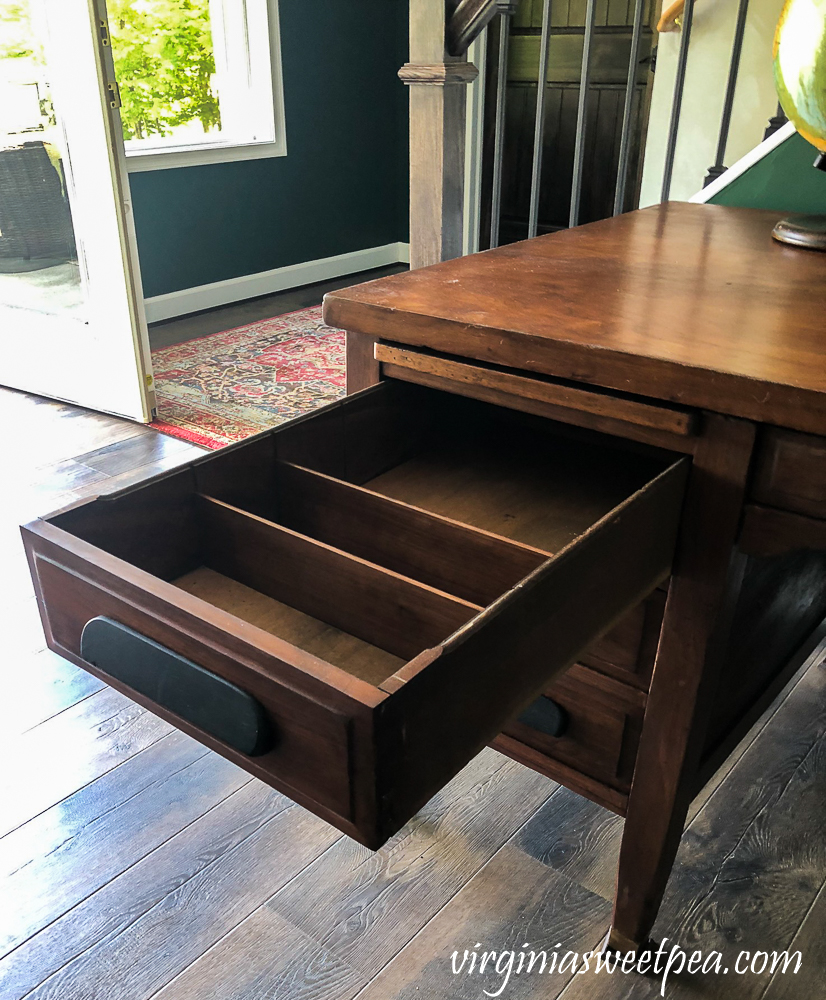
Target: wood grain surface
(693, 304)
(750, 869)
(52, 883)
(104, 915)
(767, 531)
(328, 643)
(211, 901)
(475, 565)
(790, 472)
(690, 656)
(541, 492)
(381, 607)
(78, 745)
(367, 906)
(513, 902)
(600, 404)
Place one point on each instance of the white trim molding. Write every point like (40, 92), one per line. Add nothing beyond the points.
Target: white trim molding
(279, 279)
(742, 165)
(474, 145)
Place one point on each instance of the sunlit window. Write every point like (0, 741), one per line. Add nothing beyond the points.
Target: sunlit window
(197, 76)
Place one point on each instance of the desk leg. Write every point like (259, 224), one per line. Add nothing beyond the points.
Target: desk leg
(362, 367)
(686, 671)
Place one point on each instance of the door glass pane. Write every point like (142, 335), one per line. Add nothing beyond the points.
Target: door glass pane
(41, 283)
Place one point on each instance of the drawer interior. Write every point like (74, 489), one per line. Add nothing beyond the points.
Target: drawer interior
(373, 530)
(542, 492)
(362, 659)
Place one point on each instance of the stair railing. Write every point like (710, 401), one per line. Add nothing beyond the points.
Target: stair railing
(438, 74)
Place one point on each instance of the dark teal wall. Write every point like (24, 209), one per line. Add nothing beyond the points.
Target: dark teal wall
(342, 185)
(784, 181)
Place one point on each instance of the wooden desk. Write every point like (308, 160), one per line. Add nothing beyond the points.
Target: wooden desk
(687, 328)
(582, 515)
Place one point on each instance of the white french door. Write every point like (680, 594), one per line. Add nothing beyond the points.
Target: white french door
(72, 322)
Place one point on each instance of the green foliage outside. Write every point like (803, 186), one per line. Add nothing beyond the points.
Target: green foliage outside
(22, 60)
(16, 35)
(164, 64)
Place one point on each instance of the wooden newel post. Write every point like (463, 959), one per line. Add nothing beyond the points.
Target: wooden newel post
(437, 75)
(438, 97)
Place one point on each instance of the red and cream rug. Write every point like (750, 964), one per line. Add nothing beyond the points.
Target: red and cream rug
(224, 387)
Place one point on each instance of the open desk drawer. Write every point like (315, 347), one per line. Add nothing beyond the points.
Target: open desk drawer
(351, 606)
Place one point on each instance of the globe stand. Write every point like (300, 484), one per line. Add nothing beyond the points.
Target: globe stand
(807, 231)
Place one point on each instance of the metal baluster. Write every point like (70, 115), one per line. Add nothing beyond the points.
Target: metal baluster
(539, 127)
(731, 87)
(507, 10)
(582, 110)
(676, 104)
(630, 88)
(777, 120)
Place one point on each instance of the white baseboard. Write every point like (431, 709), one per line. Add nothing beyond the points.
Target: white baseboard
(248, 286)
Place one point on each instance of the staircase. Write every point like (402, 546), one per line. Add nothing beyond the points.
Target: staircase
(589, 109)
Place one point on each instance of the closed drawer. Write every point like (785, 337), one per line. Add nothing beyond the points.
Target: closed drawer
(599, 742)
(790, 472)
(351, 606)
(628, 650)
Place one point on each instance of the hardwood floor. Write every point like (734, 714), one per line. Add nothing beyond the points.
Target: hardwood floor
(135, 864)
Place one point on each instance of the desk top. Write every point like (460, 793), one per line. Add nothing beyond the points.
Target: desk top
(695, 304)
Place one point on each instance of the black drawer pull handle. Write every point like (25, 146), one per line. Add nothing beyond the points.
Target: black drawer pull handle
(545, 716)
(173, 682)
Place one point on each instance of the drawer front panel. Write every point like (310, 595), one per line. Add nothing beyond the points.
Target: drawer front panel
(310, 760)
(604, 724)
(791, 472)
(452, 700)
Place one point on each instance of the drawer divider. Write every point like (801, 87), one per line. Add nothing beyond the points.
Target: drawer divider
(391, 611)
(476, 565)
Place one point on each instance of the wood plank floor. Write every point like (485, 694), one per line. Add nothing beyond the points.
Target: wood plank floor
(135, 864)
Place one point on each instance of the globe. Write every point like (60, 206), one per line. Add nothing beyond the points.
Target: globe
(800, 79)
(800, 68)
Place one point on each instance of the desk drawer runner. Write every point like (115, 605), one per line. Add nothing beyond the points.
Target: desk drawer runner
(408, 364)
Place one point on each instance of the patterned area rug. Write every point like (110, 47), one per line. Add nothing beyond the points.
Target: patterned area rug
(224, 387)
